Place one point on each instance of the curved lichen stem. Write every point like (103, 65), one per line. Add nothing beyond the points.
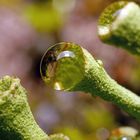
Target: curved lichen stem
(16, 119)
(81, 72)
(97, 82)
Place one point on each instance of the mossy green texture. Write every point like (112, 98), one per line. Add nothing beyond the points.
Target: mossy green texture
(107, 17)
(97, 82)
(119, 26)
(16, 119)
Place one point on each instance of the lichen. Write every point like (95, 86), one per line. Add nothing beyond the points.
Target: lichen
(16, 119)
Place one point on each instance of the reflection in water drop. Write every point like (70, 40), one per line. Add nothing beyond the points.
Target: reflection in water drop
(65, 54)
(57, 86)
(62, 66)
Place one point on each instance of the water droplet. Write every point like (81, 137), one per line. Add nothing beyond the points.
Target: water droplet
(107, 17)
(62, 66)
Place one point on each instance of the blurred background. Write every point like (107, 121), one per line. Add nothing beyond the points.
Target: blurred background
(28, 28)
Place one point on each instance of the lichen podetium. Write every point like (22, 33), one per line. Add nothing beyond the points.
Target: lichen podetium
(119, 25)
(16, 119)
(93, 78)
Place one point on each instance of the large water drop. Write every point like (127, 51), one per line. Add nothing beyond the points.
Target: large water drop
(108, 16)
(62, 66)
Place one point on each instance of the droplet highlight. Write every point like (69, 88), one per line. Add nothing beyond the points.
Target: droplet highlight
(65, 54)
(62, 66)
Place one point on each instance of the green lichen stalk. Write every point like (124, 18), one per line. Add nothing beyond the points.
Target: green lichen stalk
(59, 67)
(97, 82)
(119, 26)
(16, 119)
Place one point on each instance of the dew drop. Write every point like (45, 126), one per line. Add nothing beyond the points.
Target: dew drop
(62, 66)
(107, 18)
